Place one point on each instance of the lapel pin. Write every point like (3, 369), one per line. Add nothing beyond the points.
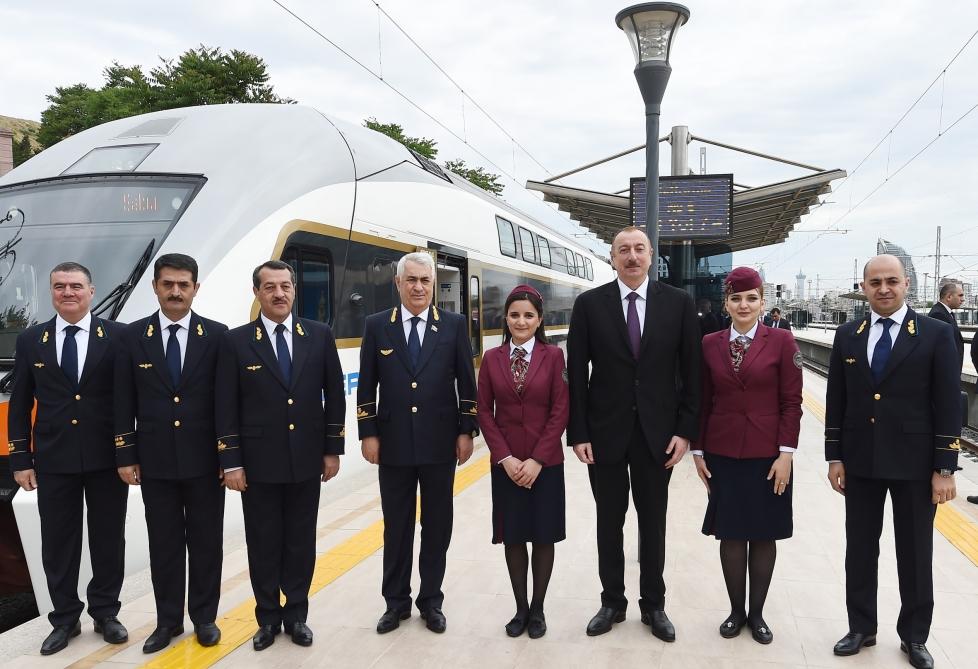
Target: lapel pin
(253, 368)
(200, 329)
(145, 365)
(298, 329)
(149, 330)
(386, 351)
(394, 315)
(862, 326)
(257, 333)
(99, 333)
(44, 339)
(38, 364)
(434, 328)
(912, 327)
(851, 361)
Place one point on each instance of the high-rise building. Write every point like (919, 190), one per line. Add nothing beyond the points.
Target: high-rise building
(884, 246)
(800, 286)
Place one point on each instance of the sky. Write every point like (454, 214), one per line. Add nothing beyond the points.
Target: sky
(821, 83)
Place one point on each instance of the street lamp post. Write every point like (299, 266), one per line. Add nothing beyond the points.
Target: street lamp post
(651, 28)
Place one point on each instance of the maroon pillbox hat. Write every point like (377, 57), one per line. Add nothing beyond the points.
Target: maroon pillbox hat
(523, 288)
(742, 278)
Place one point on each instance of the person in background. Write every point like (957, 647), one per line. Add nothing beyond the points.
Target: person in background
(749, 426)
(777, 321)
(523, 409)
(951, 297)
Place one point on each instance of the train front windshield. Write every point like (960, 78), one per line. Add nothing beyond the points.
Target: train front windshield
(112, 224)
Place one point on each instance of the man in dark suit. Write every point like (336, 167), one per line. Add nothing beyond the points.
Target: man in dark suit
(277, 440)
(891, 425)
(777, 321)
(951, 297)
(633, 416)
(417, 431)
(165, 435)
(66, 366)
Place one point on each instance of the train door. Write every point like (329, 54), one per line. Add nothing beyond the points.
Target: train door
(453, 290)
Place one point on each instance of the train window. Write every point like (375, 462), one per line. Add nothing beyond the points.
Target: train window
(558, 258)
(580, 265)
(111, 159)
(544, 251)
(507, 239)
(430, 165)
(475, 317)
(589, 269)
(313, 277)
(571, 263)
(529, 248)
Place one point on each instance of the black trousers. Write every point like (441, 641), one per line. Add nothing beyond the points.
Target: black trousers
(185, 517)
(280, 526)
(913, 529)
(650, 491)
(398, 499)
(59, 503)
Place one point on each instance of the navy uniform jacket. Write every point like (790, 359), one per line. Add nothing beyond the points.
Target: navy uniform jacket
(418, 416)
(906, 426)
(174, 434)
(279, 432)
(939, 312)
(73, 428)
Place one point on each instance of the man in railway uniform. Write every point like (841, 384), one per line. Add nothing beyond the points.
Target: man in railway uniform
(164, 423)
(892, 422)
(418, 430)
(65, 365)
(634, 356)
(278, 439)
(951, 297)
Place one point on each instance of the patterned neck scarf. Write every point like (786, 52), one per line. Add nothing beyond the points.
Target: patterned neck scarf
(738, 349)
(519, 365)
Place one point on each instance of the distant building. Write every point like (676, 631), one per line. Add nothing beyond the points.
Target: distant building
(800, 286)
(884, 246)
(6, 151)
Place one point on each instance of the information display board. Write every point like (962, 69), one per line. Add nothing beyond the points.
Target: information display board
(690, 207)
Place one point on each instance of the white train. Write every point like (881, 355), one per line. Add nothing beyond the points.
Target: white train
(233, 186)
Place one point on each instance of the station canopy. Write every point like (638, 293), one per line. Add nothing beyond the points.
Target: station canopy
(761, 216)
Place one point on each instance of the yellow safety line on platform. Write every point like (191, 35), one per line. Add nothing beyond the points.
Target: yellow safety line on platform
(954, 525)
(238, 625)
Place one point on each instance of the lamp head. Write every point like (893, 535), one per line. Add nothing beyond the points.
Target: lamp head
(651, 28)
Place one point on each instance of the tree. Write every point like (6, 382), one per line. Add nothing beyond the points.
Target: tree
(23, 149)
(477, 175)
(200, 76)
(423, 145)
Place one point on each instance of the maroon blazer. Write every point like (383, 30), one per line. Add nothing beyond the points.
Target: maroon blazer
(528, 425)
(750, 413)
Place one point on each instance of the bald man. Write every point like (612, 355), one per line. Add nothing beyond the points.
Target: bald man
(892, 425)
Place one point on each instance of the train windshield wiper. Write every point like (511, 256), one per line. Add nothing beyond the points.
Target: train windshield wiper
(117, 296)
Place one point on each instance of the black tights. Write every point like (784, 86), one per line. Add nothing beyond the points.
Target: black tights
(736, 560)
(518, 562)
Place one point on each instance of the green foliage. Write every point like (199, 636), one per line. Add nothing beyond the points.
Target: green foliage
(200, 76)
(479, 176)
(23, 149)
(423, 145)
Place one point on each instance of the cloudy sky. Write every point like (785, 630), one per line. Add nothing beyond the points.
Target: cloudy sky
(821, 83)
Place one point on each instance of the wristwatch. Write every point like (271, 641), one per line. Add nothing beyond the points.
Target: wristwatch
(945, 473)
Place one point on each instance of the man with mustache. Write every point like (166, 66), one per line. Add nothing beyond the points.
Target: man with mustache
(164, 422)
(634, 360)
(65, 365)
(280, 424)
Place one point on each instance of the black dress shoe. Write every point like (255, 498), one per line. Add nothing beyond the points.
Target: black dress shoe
(731, 627)
(537, 626)
(604, 619)
(59, 637)
(160, 638)
(111, 630)
(852, 642)
(517, 625)
(661, 625)
(760, 631)
(918, 655)
(973, 499)
(301, 634)
(391, 620)
(434, 619)
(265, 636)
(208, 634)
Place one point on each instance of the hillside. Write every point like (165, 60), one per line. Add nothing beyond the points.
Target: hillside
(19, 126)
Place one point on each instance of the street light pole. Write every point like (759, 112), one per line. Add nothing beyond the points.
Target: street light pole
(650, 28)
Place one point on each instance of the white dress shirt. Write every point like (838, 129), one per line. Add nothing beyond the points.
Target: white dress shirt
(639, 303)
(270, 326)
(526, 346)
(182, 333)
(406, 317)
(876, 330)
(81, 338)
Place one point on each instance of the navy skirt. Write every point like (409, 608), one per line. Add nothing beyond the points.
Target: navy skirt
(534, 515)
(742, 501)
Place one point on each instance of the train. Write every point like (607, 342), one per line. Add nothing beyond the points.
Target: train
(236, 185)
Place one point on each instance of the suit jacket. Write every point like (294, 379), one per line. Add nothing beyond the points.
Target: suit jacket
(72, 430)
(527, 425)
(908, 424)
(278, 431)
(168, 431)
(939, 312)
(662, 387)
(750, 413)
(780, 324)
(419, 413)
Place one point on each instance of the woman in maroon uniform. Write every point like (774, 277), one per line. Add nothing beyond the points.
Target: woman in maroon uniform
(523, 408)
(751, 416)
